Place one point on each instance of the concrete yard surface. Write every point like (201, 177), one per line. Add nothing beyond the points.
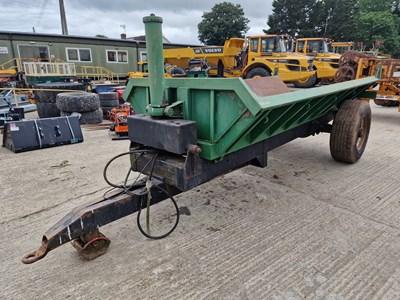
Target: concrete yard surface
(305, 227)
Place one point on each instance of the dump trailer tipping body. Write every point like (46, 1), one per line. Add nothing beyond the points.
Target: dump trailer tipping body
(230, 114)
(188, 131)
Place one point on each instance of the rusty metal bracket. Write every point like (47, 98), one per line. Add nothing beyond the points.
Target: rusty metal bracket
(91, 245)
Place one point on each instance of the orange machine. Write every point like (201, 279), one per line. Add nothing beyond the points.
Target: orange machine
(119, 115)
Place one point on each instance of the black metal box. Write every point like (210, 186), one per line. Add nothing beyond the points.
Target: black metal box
(172, 135)
(26, 135)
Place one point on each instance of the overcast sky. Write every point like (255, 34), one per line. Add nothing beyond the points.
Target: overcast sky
(91, 17)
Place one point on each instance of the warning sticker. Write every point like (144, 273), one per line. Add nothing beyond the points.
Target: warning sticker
(14, 127)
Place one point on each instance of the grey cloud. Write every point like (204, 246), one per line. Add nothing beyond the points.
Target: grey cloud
(92, 17)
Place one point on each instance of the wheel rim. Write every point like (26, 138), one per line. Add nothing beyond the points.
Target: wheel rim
(303, 80)
(362, 133)
(345, 73)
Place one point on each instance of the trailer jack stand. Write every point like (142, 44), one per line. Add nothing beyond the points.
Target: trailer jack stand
(91, 245)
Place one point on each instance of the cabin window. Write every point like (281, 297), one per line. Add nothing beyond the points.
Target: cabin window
(85, 55)
(30, 51)
(314, 47)
(114, 56)
(268, 45)
(300, 46)
(79, 54)
(254, 45)
(143, 56)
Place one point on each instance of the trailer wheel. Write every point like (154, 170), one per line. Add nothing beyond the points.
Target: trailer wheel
(258, 72)
(386, 103)
(47, 110)
(306, 83)
(77, 102)
(350, 131)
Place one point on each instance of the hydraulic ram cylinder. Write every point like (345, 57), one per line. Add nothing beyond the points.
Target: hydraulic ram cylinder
(155, 59)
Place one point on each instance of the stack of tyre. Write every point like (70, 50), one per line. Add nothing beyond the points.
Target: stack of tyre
(46, 100)
(108, 101)
(87, 105)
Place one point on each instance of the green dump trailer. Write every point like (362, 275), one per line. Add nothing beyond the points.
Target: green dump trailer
(187, 131)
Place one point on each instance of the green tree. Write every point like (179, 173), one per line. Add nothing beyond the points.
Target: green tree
(379, 20)
(376, 5)
(341, 20)
(396, 7)
(224, 21)
(380, 25)
(299, 18)
(101, 36)
(315, 18)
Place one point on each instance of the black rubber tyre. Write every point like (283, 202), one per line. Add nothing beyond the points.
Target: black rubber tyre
(178, 72)
(258, 72)
(49, 96)
(350, 131)
(47, 110)
(386, 103)
(327, 81)
(89, 117)
(108, 96)
(109, 102)
(308, 83)
(78, 102)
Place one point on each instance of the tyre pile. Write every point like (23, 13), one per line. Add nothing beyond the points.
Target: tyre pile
(108, 101)
(46, 100)
(86, 104)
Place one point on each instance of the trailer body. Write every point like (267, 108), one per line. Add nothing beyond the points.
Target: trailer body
(189, 131)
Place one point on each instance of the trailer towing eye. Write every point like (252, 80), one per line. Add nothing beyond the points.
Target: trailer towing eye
(36, 255)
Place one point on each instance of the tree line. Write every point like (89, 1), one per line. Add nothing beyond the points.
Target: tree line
(362, 21)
